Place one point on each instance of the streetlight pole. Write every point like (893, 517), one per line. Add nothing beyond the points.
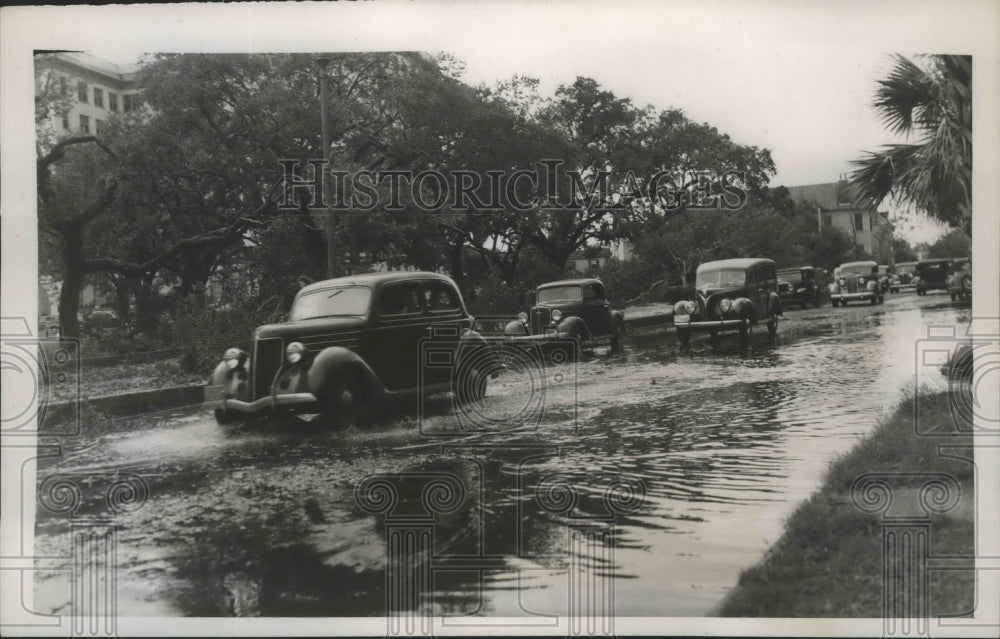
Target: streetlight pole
(323, 62)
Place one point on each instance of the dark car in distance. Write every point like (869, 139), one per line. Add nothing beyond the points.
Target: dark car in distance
(576, 310)
(932, 275)
(732, 294)
(352, 344)
(797, 286)
(858, 281)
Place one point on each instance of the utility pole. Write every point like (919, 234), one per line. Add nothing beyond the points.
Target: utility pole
(323, 63)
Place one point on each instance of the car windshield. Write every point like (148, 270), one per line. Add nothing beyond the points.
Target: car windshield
(720, 278)
(846, 271)
(792, 275)
(327, 302)
(558, 293)
(905, 269)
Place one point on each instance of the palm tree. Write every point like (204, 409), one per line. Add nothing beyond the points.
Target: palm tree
(933, 103)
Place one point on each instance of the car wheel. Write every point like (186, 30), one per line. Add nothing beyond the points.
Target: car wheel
(874, 300)
(343, 404)
(618, 339)
(772, 327)
(222, 417)
(881, 299)
(684, 336)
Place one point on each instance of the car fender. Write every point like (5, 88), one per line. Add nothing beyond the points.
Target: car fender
(617, 316)
(337, 360)
(515, 327)
(233, 381)
(742, 306)
(573, 324)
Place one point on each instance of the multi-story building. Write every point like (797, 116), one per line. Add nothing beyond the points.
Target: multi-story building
(837, 206)
(86, 90)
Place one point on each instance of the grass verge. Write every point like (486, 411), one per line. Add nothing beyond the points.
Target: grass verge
(829, 561)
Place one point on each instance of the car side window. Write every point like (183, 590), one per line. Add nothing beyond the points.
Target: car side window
(440, 298)
(752, 277)
(591, 292)
(400, 299)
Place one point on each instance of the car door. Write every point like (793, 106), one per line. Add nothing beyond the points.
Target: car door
(757, 291)
(596, 310)
(400, 325)
(444, 323)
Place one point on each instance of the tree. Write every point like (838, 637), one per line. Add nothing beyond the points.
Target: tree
(902, 251)
(932, 102)
(954, 243)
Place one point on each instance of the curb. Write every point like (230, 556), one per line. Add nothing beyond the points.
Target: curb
(125, 403)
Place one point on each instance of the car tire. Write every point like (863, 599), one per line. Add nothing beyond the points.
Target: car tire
(746, 327)
(618, 338)
(344, 404)
(881, 299)
(772, 327)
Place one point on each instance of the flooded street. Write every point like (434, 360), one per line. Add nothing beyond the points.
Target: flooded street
(676, 467)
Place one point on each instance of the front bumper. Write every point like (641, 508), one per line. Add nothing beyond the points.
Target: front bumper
(867, 295)
(215, 400)
(684, 321)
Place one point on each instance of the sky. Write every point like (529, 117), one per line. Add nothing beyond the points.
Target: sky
(794, 77)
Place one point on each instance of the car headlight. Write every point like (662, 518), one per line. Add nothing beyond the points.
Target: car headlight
(556, 315)
(726, 305)
(293, 352)
(842, 282)
(871, 285)
(861, 281)
(691, 307)
(523, 317)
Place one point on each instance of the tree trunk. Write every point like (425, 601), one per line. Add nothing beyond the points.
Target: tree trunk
(72, 285)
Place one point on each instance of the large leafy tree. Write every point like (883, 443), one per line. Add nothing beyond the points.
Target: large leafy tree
(930, 100)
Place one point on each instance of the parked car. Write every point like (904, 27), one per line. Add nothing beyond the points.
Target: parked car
(902, 277)
(932, 275)
(350, 345)
(797, 286)
(733, 294)
(577, 310)
(857, 281)
(960, 280)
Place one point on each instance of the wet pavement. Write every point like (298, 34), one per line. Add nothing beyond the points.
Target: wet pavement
(658, 474)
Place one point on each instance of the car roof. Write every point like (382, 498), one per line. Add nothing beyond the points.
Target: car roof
(580, 281)
(936, 260)
(905, 263)
(375, 280)
(788, 269)
(861, 263)
(741, 262)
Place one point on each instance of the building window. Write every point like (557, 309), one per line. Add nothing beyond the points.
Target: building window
(827, 220)
(63, 89)
(129, 102)
(81, 92)
(98, 98)
(84, 124)
(113, 101)
(859, 222)
(65, 120)
(98, 124)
